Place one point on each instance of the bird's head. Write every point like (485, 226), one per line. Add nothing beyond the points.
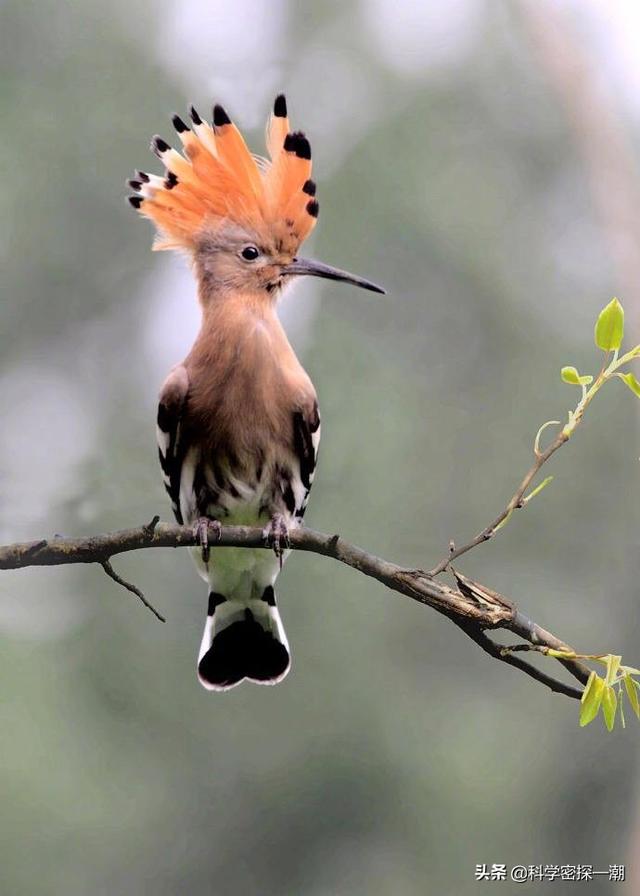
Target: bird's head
(234, 259)
(240, 217)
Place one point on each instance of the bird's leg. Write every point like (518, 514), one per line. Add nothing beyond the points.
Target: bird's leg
(201, 534)
(276, 534)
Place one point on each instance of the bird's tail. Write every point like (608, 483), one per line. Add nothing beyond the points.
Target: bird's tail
(242, 639)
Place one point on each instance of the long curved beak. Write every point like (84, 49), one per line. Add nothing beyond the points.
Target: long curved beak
(301, 267)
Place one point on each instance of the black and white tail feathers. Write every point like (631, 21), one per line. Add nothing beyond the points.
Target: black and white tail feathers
(242, 639)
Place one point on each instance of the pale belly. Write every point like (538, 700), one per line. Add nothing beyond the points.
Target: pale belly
(236, 573)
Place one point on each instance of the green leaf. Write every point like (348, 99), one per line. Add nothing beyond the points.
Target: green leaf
(609, 328)
(570, 375)
(613, 664)
(537, 489)
(632, 694)
(589, 686)
(631, 382)
(609, 706)
(591, 699)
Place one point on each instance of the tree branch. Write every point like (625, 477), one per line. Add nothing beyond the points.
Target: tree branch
(472, 607)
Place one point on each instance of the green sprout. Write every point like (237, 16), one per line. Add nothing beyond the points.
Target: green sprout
(604, 693)
(607, 693)
(608, 335)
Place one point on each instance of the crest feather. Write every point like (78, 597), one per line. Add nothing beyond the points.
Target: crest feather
(216, 178)
(277, 127)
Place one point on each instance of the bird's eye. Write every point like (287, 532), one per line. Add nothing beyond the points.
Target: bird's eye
(250, 253)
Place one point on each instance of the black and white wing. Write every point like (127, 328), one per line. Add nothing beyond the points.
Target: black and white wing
(306, 441)
(170, 451)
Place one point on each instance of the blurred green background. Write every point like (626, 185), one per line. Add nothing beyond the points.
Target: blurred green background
(479, 160)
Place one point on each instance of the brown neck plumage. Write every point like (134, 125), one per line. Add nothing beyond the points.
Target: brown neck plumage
(242, 359)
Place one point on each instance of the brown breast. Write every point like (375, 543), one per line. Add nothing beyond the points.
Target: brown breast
(246, 383)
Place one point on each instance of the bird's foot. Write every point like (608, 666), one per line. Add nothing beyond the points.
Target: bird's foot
(276, 535)
(201, 529)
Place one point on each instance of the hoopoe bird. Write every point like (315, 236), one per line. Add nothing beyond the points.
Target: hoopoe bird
(238, 425)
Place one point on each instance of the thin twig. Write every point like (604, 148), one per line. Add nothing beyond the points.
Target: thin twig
(611, 364)
(110, 571)
(515, 503)
(498, 652)
(540, 637)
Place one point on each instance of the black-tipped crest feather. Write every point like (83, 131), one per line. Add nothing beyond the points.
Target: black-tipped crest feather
(220, 117)
(280, 106)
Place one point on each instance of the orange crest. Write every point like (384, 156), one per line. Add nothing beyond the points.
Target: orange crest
(217, 179)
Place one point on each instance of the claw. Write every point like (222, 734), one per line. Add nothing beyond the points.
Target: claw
(276, 534)
(201, 534)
